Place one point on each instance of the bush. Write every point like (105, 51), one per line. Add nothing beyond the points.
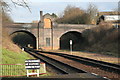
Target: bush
(102, 39)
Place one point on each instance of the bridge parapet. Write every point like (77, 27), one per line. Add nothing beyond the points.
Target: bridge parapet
(83, 26)
(22, 25)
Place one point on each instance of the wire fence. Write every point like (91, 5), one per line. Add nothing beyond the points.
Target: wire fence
(12, 70)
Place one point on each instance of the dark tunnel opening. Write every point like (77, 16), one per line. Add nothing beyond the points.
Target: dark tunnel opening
(24, 39)
(77, 41)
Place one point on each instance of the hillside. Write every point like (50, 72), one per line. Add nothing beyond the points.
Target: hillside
(10, 50)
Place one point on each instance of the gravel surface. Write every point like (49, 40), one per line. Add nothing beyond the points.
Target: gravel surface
(85, 67)
(96, 56)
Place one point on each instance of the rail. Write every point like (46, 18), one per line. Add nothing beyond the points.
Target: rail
(62, 67)
(103, 65)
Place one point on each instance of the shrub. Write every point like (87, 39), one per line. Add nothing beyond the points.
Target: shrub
(103, 39)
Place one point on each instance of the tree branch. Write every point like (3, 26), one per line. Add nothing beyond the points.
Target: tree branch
(22, 4)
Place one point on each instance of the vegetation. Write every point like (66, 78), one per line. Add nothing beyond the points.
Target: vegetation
(10, 50)
(9, 57)
(11, 53)
(92, 12)
(6, 6)
(6, 19)
(76, 15)
(103, 39)
(54, 15)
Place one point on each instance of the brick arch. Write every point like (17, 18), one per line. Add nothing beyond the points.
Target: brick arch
(75, 36)
(76, 30)
(33, 38)
(26, 31)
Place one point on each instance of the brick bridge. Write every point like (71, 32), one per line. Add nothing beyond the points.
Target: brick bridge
(51, 35)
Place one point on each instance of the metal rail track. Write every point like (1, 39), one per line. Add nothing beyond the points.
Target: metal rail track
(62, 67)
(103, 65)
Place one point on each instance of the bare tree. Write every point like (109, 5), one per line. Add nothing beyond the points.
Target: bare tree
(6, 7)
(5, 18)
(22, 3)
(76, 15)
(71, 15)
(72, 10)
(92, 10)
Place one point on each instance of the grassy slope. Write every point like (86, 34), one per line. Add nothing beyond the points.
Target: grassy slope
(10, 57)
(11, 53)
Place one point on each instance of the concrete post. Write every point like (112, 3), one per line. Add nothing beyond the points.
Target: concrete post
(38, 73)
(71, 47)
(42, 68)
(27, 73)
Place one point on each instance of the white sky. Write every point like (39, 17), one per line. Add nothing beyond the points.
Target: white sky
(20, 14)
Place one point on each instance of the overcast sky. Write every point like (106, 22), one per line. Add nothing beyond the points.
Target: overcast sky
(20, 14)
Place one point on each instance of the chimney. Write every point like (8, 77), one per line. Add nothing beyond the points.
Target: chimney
(41, 16)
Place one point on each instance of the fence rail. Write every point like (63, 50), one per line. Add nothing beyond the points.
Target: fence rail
(13, 70)
(7, 70)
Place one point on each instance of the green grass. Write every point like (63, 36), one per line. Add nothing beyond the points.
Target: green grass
(10, 57)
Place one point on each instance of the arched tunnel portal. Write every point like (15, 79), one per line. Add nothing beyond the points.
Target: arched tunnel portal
(77, 40)
(23, 39)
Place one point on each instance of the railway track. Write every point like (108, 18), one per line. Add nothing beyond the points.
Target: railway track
(95, 63)
(62, 67)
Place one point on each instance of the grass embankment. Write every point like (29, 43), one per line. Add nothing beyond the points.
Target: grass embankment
(10, 57)
(12, 54)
